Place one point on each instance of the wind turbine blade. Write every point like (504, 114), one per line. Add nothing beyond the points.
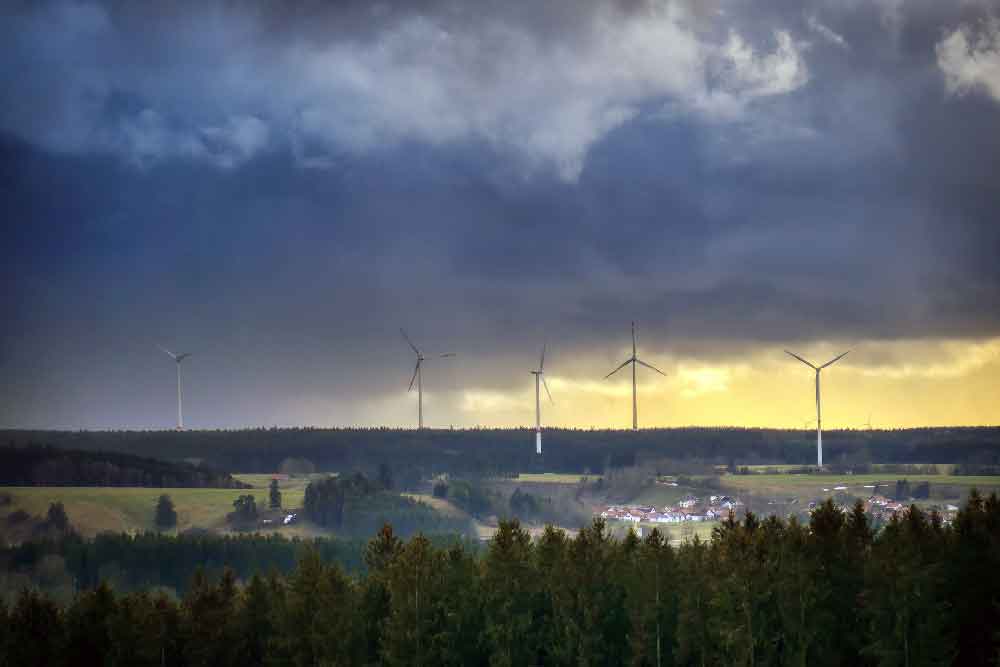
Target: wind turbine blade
(633, 339)
(653, 368)
(414, 378)
(541, 364)
(802, 360)
(835, 359)
(409, 342)
(174, 356)
(624, 364)
(545, 384)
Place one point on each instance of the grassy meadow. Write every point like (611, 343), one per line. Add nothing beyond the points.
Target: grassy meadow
(857, 484)
(96, 509)
(553, 478)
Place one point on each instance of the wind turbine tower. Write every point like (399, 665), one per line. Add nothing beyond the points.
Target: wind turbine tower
(418, 378)
(634, 360)
(178, 358)
(540, 379)
(819, 419)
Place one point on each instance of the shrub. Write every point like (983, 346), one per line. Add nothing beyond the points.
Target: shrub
(17, 516)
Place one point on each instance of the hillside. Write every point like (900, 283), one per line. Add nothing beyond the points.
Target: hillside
(415, 454)
(45, 465)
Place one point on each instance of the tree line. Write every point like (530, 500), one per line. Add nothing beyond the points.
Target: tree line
(45, 465)
(757, 593)
(65, 562)
(416, 455)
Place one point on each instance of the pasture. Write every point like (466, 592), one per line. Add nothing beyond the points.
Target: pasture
(96, 509)
(553, 477)
(788, 482)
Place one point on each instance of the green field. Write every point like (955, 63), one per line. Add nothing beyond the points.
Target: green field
(554, 477)
(878, 468)
(808, 486)
(94, 510)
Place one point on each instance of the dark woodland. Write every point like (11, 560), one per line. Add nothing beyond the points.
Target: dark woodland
(760, 592)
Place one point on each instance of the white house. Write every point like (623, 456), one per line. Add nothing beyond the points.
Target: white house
(689, 501)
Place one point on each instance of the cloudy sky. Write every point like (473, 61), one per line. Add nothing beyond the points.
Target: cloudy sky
(278, 187)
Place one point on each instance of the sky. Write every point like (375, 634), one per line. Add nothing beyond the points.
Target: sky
(278, 187)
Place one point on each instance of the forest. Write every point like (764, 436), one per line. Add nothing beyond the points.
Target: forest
(43, 465)
(759, 592)
(415, 454)
(353, 505)
(64, 564)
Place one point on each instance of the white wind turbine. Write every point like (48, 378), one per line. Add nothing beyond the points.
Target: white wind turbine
(540, 379)
(417, 377)
(819, 418)
(634, 360)
(178, 358)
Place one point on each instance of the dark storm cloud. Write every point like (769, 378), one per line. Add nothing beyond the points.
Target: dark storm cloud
(282, 185)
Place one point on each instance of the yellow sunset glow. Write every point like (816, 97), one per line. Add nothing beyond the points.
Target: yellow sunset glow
(899, 384)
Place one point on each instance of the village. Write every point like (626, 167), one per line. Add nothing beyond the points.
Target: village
(691, 508)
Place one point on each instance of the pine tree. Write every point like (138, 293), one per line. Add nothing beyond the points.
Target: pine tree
(36, 631)
(5, 631)
(297, 641)
(274, 496)
(907, 608)
(649, 573)
(588, 609)
(57, 518)
(510, 591)
(974, 580)
(166, 515)
(696, 566)
(87, 621)
(254, 623)
(414, 582)
(208, 617)
(550, 559)
(462, 638)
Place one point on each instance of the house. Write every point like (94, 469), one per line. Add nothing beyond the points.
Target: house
(628, 516)
(688, 501)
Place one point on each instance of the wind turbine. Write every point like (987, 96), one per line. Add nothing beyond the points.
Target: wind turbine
(540, 375)
(819, 420)
(634, 360)
(178, 358)
(417, 377)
